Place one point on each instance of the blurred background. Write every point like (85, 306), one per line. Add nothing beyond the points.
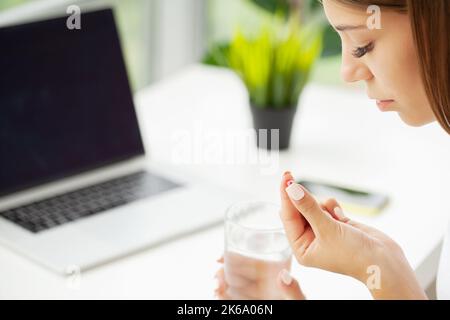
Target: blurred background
(159, 37)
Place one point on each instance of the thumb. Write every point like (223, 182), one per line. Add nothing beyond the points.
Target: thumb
(289, 286)
(307, 205)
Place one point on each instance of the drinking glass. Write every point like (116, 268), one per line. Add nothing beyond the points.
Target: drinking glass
(256, 250)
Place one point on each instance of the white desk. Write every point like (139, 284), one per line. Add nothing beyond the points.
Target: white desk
(339, 136)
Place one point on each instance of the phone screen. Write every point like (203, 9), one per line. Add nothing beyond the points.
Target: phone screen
(353, 201)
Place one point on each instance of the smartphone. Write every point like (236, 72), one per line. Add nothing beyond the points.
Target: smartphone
(353, 201)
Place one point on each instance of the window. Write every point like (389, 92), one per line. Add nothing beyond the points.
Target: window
(158, 36)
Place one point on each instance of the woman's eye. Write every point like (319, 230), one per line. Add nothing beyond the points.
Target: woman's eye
(359, 52)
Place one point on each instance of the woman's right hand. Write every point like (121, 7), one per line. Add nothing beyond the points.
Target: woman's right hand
(321, 236)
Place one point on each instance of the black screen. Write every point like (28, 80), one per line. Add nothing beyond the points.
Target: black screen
(65, 101)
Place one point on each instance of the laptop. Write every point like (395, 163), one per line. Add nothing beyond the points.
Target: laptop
(76, 187)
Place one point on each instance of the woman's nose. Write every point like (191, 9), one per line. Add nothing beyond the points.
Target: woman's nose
(353, 69)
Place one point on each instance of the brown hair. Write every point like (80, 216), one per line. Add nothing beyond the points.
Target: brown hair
(430, 25)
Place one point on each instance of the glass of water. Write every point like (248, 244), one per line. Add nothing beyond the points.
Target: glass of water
(256, 250)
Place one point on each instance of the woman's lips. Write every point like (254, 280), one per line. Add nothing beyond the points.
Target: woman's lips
(384, 104)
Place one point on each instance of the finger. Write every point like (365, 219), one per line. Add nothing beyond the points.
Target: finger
(331, 213)
(256, 289)
(222, 296)
(333, 205)
(249, 277)
(289, 286)
(220, 260)
(307, 205)
(238, 280)
(221, 290)
(235, 287)
(221, 283)
(334, 208)
(239, 294)
(247, 268)
(322, 206)
(366, 229)
(294, 223)
(288, 210)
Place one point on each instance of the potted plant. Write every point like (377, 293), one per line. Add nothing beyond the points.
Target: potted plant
(274, 64)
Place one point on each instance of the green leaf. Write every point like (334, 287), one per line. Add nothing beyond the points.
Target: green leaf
(275, 63)
(273, 5)
(331, 43)
(217, 55)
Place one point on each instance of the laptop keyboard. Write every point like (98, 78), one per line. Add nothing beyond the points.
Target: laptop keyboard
(49, 213)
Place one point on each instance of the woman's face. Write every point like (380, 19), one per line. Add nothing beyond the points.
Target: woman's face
(385, 59)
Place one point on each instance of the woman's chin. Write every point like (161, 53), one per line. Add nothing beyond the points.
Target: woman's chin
(414, 121)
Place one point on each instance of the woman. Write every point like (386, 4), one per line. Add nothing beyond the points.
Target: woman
(405, 66)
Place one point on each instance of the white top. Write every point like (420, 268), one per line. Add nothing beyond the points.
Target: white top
(443, 277)
(339, 136)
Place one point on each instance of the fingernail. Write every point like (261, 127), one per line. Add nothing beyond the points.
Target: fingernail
(289, 182)
(286, 277)
(295, 192)
(339, 213)
(286, 173)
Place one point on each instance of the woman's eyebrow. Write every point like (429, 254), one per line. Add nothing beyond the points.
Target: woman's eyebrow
(345, 27)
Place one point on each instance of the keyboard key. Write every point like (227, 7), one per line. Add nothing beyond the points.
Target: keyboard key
(49, 213)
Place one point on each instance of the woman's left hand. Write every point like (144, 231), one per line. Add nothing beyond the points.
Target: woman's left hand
(287, 287)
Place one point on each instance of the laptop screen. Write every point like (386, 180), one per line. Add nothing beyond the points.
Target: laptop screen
(65, 101)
